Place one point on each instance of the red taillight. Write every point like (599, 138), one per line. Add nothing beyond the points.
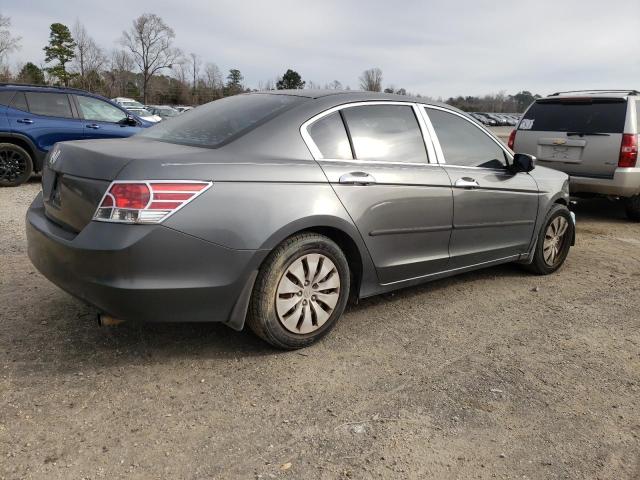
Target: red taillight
(146, 202)
(130, 195)
(512, 139)
(628, 151)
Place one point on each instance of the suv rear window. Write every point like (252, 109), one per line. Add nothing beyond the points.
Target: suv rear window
(219, 122)
(5, 97)
(583, 115)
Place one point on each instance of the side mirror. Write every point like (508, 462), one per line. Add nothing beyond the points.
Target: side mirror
(130, 121)
(523, 162)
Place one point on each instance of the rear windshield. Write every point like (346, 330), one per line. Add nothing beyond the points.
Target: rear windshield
(216, 123)
(584, 116)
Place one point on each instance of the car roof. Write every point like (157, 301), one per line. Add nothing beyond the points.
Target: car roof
(27, 87)
(595, 94)
(49, 88)
(347, 96)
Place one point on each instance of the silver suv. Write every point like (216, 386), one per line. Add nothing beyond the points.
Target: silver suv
(591, 135)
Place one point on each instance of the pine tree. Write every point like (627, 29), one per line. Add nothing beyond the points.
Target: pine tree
(61, 48)
(291, 80)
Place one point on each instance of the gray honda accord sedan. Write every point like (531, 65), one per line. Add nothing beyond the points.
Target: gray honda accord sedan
(277, 208)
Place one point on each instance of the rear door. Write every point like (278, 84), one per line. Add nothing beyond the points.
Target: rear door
(494, 211)
(102, 119)
(580, 136)
(379, 166)
(45, 117)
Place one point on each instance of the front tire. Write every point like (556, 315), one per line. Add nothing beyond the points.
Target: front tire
(16, 165)
(300, 292)
(632, 206)
(554, 241)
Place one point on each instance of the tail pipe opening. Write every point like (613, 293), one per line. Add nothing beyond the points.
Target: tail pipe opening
(105, 320)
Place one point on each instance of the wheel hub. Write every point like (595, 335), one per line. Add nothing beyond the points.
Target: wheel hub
(307, 293)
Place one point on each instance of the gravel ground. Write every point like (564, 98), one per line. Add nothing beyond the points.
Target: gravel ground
(492, 374)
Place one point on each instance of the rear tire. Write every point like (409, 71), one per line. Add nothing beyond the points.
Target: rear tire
(632, 205)
(554, 241)
(300, 292)
(16, 165)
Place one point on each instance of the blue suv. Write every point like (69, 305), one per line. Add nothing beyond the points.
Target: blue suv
(33, 118)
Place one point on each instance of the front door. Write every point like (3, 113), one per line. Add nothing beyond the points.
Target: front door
(379, 168)
(494, 211)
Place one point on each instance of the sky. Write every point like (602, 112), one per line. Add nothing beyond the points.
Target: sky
(432, 47)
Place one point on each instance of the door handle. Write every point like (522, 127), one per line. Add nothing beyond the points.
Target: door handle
(94, 126)
(357, 178)
(25, 120)
(466, 182)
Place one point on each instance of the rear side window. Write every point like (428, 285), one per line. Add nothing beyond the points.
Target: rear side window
(583, 116)
(20, 102)
(331, 138)
(222, 121)
(50, 104)
(463, 143)
(5, 97)
(387, 133)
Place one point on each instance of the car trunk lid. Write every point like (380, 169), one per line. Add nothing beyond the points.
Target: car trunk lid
(77, 174)
(580, 136)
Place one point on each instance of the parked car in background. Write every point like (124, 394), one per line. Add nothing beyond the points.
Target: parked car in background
(127, 102)
(507, 119)
(591, 135)
(144, 113)
(279, 207)
(499, 119)
(163, 111)
(183, 108)
(33, 118)
(485, 120)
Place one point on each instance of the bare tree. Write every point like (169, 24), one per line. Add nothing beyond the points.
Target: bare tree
(150, 42)
(371, 80)
(8, 43)
(195, 62)
(121, 66)
(335, 85)
(89, 59)
(213, 79)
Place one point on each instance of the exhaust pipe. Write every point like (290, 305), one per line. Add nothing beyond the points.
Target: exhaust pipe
(105, 320)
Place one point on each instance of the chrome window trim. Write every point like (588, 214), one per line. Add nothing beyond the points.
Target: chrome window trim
(317, 155)
(438, 147)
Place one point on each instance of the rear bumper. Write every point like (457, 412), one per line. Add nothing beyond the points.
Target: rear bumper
(625, 183)
(144, 272)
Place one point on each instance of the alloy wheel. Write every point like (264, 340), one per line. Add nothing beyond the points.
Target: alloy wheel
(307, 293)
(554, 240)
(12, 165)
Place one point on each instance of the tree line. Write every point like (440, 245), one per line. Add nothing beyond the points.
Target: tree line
(148, 66)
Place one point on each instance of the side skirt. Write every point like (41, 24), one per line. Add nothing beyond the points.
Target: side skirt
(388, 287)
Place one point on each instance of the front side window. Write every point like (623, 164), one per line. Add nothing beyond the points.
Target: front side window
(219, 122)
(331, 138)
(98, 111)
(463, 143)
(49, 104)
(389, 133)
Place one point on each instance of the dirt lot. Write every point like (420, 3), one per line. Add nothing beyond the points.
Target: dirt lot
(494, 374)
